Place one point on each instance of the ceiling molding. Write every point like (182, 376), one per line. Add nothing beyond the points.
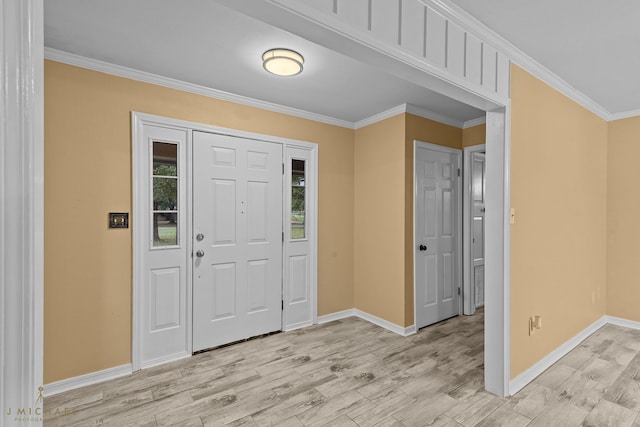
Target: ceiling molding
(142, 76)
(471, 23)
(380, 116)
(475, 122)
(626, 115)
(431, 115)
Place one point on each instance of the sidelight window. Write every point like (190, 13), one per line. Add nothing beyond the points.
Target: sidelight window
(165, 194)
(298, 199)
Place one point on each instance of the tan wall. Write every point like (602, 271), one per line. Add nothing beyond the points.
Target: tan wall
(475, 135)
(88, 283)
(623, 251)
(558, 243)
(425, 130)
(379, 170)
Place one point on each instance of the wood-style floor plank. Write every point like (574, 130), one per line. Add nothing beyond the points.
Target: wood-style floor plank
(352, 373)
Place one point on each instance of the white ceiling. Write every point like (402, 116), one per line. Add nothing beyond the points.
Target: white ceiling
(594, 45)
(204, 43)
(591, 44)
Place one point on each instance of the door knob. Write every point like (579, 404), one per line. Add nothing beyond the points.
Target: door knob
(200, 237)
(422, 247)
(200, 253)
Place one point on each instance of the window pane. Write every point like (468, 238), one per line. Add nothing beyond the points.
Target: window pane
(165, 194)
(165, 159)
(165, 229)
(298, 199)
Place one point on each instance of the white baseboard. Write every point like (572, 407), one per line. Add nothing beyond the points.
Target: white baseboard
(622, 322)
(354, 312)
(164, 359)
(335, 316)
(87, 379)
(518, 383)
(400, 330)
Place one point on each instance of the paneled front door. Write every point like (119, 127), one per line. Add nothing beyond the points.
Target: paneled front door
(237, 250)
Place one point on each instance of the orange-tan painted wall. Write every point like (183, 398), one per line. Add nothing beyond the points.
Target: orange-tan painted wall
(558, 243)
(623, 251)
(88, 285)
(475, 135)
(379, 175)
(383, 284)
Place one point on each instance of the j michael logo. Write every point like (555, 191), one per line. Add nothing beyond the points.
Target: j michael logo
(36, 412)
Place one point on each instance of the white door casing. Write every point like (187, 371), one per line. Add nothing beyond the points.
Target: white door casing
(162, 323)
(171, 130)
(237, 262)
(477, 230)
(437, 232)
(469, 213)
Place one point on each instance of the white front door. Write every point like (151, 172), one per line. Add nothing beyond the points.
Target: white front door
(237, 248)
(477, 238)
(437, 233)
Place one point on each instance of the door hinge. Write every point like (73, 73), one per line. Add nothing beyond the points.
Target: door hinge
(458, 171)
(283, 169)
(283, 237)
(458, 290)
(282, 301)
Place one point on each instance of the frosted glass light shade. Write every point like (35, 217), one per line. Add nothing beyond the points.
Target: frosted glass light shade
(282, 62)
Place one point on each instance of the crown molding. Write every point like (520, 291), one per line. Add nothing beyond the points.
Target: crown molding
(625, 115)
(475, 122)
(431, 115)
(380, 116)
(471, 23)
(142, 76)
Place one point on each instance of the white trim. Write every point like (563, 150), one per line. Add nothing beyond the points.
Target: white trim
(460, 201)
(22, 219)
(165, 359)
(475, 122)
(543, 364)
(468, 291)
(354, 312)
(87, 379)
(143, 76)
(420, 112)
(497, 253)
(381, 116)
(631, 324)
(476, 27)
(400, 330)
(625, 115)
(338, 315)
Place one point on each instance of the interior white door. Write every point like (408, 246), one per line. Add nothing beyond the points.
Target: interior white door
(237, 228)
(477, 242)
(437, 234)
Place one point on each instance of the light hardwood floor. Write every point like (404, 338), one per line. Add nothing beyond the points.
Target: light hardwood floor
(353, 373)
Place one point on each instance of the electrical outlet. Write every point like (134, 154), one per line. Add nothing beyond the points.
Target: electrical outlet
(535, 322)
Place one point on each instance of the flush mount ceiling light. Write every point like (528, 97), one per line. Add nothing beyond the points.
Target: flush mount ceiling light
(282, 62)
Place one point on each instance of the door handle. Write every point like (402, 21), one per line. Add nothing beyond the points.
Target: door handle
(200, 237)
(422, 247)
(200, 253)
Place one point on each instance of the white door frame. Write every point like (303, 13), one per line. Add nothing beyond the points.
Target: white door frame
(138, 225)
(468, 288)
(458, 250)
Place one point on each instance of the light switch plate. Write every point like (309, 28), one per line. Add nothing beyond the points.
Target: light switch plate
(118, 220)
